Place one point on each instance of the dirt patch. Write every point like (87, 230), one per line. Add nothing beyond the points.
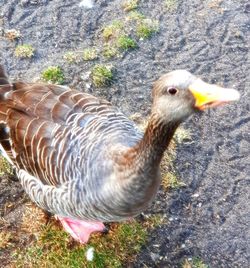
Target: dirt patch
(210, 217)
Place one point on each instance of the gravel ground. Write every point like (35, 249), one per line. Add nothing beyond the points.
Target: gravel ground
(210, 217)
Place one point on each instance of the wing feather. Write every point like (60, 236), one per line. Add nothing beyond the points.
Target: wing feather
(42, 119)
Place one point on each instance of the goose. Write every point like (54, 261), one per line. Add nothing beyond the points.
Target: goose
(80, 158)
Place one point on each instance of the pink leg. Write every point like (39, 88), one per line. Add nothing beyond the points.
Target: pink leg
(80, 230)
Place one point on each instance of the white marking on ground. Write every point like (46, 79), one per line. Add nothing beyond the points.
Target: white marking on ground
(86, 3)
(90, 254)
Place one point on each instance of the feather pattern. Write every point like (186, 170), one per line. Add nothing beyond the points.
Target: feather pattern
(78, 156)
(64, 143)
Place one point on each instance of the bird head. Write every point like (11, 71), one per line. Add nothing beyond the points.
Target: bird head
(178, 94)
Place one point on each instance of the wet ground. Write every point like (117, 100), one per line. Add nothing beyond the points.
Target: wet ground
(210, 218)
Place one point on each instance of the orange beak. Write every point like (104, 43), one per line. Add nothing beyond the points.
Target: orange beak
(207, 95)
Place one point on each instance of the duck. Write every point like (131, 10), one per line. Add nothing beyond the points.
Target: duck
(80, 158)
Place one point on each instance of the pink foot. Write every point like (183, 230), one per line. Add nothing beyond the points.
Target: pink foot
(80, 230)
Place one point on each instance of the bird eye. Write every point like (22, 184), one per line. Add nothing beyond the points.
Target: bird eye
(172, 90)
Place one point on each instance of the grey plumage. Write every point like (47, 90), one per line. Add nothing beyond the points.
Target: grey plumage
(63, 143)
(78, 156)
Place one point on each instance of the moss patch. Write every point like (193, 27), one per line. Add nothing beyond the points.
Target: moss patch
(70, 57)
(112, 30)
(130, 5)
(171, 181)
(101, 75)
(135, 15)
(89, 54)
(194, 263)
(110, 51)
(53, 74)
(146, 28)
(5, 167)
(24, 51)
(125, 42)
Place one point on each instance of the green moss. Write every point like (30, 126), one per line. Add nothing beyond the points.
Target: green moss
(112, 30)
(109, 51)
(70, 57)
(181, 135)
(130, 5)
(198, 263)
(50, 250)
(5, 167)
(194, 263)
(90, 54)
(53, 74)
(171, 4)
(125, 42)
(124, 242)
(146, 28)
(170, 180)
(135, 15)
(101, 75)
(24, 51)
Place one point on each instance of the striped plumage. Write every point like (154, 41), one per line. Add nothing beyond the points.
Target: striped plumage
(78, 156)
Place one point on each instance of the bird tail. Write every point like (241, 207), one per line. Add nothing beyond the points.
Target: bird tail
(3, 76)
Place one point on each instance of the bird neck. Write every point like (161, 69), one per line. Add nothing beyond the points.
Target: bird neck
(148, 152)
(139, 165)
(156, 139)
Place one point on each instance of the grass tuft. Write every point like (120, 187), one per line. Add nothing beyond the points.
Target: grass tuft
(90, 54)
(5, 167)
(24, 51)
(102, 75)
(130, 5)
(112, 30)
(146, 28)
(70, 57)
(125, 42)
(53, 74)
(194, 263)
(109, 51)
(171, 181)
(135, 15)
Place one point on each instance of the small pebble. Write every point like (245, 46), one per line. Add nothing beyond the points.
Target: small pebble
(154, 256)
